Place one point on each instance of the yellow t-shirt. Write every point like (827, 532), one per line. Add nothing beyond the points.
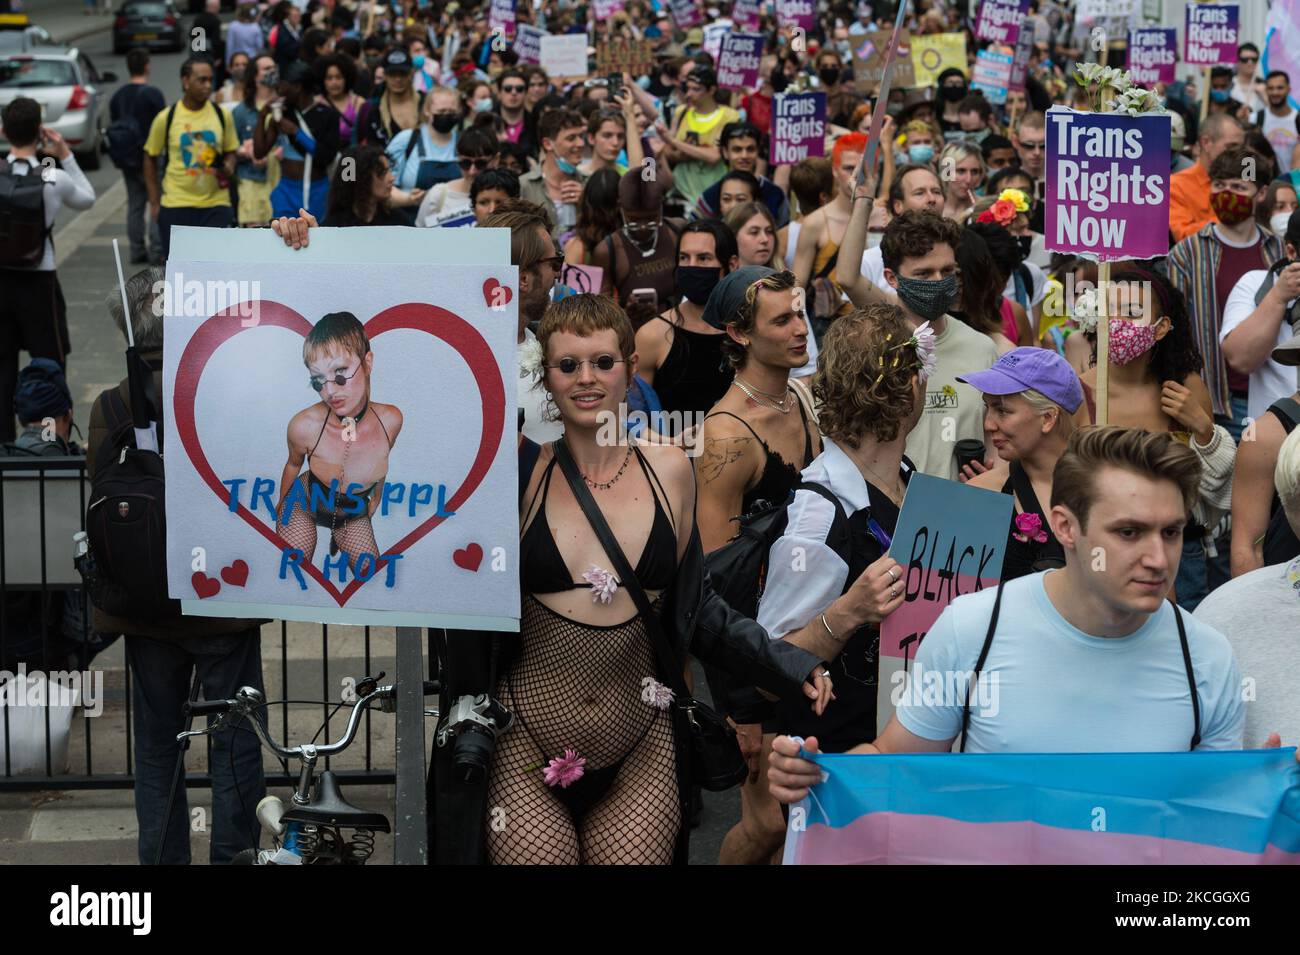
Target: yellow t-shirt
(192, 154)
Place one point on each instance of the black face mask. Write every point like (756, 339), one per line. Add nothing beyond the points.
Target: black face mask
(696, 282)
(1025, 242)
(829, 76)
(445, 124)
(952, 94)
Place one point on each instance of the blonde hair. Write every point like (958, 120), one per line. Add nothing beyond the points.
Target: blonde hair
(1286, 476)
(1043, 404)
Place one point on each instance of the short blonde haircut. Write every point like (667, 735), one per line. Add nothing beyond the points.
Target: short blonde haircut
(1043, 404)
(1286, 476)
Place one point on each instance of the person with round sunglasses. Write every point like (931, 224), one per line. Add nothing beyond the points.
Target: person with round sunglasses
(345, 438)
(448, 203)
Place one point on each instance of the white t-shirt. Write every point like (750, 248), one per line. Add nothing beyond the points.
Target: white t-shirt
(1281, 135)
(442, 205)
(1270, 381)
(66, 186)
(1060, 690)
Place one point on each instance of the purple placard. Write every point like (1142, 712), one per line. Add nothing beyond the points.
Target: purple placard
(739, 60)
(604, 9)
(797, 13)
(528, 43)
(501, 16)
(745, 14)
(1108, 184)
(1152, 55)
(686, 14)
(999, 20)
(1020, 62)
(798, 127)
(1210, 34)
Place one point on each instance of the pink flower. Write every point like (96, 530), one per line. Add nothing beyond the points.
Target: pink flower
(1030, 527)
(602, 583)
(655, 693)
(564, 770)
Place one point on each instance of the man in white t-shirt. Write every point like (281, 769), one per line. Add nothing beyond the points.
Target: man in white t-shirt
(1277, 122)
(1089, 658)
(1253, 326)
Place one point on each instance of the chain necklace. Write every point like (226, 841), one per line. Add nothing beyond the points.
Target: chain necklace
(343, 472)
(897, 487)
(605, 486)
(782, 405)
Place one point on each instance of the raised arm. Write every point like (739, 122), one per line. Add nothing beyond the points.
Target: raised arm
(848, 267)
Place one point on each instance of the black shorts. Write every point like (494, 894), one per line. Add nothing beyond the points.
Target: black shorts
(33, 314)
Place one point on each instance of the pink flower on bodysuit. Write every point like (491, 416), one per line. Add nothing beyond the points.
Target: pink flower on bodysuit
(564, 770)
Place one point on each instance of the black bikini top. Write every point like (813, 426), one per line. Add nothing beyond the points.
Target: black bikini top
(542, 565)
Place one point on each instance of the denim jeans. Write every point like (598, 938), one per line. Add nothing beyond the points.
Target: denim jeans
(1190, 584)
(218, 217)
(138, 217)
(161, 671)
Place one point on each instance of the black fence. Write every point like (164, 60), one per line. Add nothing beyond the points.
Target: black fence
(45, 624)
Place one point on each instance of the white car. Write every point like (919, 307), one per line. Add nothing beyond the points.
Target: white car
(72, 93)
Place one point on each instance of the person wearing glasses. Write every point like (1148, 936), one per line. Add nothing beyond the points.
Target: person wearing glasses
(1245, 87)
(448, 203)
(1031, 147)
(345, 439)
(512, 88)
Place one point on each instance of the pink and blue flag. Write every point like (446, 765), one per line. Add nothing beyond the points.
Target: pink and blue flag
(1202, 808)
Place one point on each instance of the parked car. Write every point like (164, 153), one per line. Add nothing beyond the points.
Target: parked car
(149, 23)
(72, 93)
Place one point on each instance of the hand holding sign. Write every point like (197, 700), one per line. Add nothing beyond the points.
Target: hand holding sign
(876, 593)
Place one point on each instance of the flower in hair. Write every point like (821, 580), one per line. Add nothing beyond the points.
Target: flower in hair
(530, 359)
(924, 342)
(603, 584)
(1002, 212)
(564, 770)
(655, 693)
(1030, 527)
(1016, 197)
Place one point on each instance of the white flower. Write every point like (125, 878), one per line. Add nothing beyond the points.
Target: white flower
(1086, 310)
(655, 693)
(1136, 100)
(602, 583)
(530, 359)
(923, 338)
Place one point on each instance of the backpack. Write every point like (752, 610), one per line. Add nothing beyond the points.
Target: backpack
(126, 523)
(222, 120)
(22, 216)
(125, 137)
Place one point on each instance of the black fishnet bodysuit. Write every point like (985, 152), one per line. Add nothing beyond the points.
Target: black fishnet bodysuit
(584, 687)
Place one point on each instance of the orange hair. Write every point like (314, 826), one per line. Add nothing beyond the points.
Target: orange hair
(849, 143)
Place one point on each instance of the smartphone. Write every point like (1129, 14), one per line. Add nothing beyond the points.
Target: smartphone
(648, 296)
(615, 82)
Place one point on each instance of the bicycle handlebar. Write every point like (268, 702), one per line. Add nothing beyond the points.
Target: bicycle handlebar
(208, 707)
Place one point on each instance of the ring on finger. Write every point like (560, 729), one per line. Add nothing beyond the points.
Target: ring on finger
(893, 592)
(893, 576)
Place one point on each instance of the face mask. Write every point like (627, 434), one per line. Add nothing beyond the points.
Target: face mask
(927, 298)
(237, 75)
(483, 106)
(697, 282)
(565, 166)
(1278, 222)
(1219, 96)
(829, 76)
(1129, 341)
(1231, 208)
(445, 124)
(953, 94)
(920, 154)
(417, 61)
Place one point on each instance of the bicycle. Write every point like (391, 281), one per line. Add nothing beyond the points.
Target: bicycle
(311, 830)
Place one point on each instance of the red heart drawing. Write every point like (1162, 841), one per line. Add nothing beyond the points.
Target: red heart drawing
(236, 574)
(438, 322)
(468, 557)
(490, 294)
(204, 585)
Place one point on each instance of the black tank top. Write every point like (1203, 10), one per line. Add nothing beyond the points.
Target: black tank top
(1280, 542)
(633, 270)
(1025, 557)
(692, 379)
(779, 475)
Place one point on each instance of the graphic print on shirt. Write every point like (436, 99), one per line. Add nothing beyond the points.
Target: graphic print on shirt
(941, 399)
(198, 151)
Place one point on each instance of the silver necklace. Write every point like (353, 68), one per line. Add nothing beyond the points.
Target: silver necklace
(782, 405)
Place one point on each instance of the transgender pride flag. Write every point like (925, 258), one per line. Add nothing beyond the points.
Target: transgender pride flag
(1204, 808)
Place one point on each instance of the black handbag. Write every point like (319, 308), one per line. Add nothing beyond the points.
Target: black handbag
(716, 763)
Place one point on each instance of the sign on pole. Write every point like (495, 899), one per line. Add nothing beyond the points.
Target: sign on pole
(798, 127)
(869, 56)
(565, 55)
(621, 55)
(528, 43)
(796, 13)
(933, 54)
(738, 64)
(999, 20)
(992, 75)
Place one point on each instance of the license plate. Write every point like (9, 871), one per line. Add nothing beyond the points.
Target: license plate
(145, 36)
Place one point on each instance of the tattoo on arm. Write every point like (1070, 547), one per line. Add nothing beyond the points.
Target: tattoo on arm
(718, 453)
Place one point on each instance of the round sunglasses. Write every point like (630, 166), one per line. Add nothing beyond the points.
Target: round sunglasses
(465, 163)
(338, 378)
(568, 366)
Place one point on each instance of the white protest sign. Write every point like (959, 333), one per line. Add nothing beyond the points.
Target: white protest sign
(341, 448)
(564, 55)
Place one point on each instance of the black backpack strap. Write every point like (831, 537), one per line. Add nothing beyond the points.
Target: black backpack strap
(1191, 677)
(838, 539)
(979, 664)
(1287, 411)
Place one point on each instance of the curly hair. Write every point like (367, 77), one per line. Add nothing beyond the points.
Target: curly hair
(864, 375)
(1175, 356)
(746, 315)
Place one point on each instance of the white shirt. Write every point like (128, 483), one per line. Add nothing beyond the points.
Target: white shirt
(67, 186)
(1246, 93)
(1281, 135)
(531, 396)
(440, 205)
(1270, 381)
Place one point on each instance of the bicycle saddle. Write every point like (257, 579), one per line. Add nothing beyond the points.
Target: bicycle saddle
(329, 808)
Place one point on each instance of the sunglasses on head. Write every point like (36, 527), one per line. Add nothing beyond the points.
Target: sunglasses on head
(568, 366)
(479, 164)
(338, 378)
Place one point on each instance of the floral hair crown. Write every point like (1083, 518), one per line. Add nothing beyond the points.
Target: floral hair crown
(1010, 203)
(922, 343)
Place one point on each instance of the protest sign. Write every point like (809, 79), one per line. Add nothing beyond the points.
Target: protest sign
(1210, 34)
(1091, 10)
(1042, 809)
(713, 36)
(869, 61)
(579, 279)
(1152, 54)
(1020, 60)
(1107, 184)
(933, 54)
(747, 15)
(528, 43)
(739, 61)
(992, 75)
(798, 127)
(564, 55)
(686, 13)
(343, 487)
(604, 9)
(621, 55)
(796, 13)
(501, 18)
(999, 20)
(949, 540)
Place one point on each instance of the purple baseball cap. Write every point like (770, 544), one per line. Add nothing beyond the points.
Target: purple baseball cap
(1020, 369)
